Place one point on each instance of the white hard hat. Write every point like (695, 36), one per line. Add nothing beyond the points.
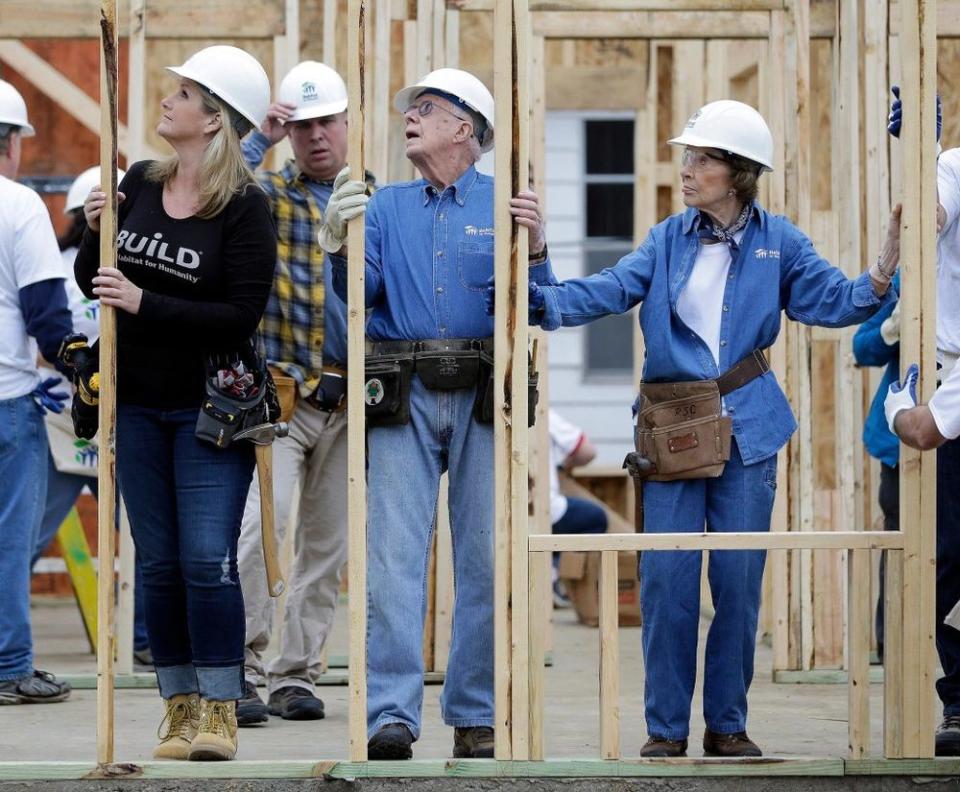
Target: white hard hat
(234, 76)
(467, 88)
(13, 110)
(82, 185)
(731, 126)
(316, 90)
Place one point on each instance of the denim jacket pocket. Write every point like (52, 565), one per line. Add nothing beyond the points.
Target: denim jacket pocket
(475, 264)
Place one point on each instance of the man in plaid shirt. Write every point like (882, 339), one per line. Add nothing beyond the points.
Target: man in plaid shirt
(304, 334)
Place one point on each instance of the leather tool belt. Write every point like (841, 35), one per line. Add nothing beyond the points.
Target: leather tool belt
(681, 432)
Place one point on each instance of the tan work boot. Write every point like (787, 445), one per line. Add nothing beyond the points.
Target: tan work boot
(178, 727)
(216, 738)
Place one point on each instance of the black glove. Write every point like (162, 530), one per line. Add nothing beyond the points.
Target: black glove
(84, 362)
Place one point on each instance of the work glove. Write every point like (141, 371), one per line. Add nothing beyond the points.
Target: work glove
(536, 303)
(349, 200)
(48, 399)
(901, 397)
(890, 327)
(895, 118)
(84, 361)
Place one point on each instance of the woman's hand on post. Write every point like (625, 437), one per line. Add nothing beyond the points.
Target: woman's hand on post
(525, 208)
(112, 288)
(93, 206)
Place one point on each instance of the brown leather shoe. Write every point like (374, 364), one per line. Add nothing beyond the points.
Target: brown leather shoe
(659, 747)
(735, 744)
(473, 742)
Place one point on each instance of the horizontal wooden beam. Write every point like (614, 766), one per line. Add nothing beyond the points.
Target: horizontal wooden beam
(817, 540)
(179, 19)
(652, 24)
(139, 680)
(485, 768)
(71, 98)
(630, 5)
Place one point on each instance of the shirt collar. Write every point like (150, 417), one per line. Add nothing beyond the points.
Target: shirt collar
(461, 187)
(691, 217)
(291, 174)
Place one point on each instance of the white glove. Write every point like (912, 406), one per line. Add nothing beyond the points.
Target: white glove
(901, 397)
(890, 327)
(349, 200)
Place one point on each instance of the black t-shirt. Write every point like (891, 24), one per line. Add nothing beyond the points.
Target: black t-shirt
(205, 285)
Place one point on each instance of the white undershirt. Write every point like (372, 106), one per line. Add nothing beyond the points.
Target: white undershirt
(948, 256)
(701, 302)
(945, 405)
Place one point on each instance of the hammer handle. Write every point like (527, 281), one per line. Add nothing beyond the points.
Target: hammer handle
(268, 535)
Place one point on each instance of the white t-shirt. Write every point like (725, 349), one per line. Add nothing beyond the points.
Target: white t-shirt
(28, 254)
(945, 405)
(701, 302)
(948, 255)
(565, 438)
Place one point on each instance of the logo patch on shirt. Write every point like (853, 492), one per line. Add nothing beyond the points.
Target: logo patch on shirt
(763, 253)
(474, 231)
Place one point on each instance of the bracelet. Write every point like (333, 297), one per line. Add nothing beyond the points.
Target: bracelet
(884, 272)
(877, 273)
(541, 256)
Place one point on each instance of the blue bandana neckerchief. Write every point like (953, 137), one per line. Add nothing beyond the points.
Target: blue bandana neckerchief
(709, 232)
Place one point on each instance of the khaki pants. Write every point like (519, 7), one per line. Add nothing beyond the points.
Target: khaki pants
(313, 455)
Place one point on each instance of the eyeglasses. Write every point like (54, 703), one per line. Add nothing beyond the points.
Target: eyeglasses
(427, 106)
(698, 160)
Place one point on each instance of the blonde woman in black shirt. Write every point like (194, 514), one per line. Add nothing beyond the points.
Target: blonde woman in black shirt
(195, 257)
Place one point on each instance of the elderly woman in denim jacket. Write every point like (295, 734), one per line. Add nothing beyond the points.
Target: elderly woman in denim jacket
(712, 282)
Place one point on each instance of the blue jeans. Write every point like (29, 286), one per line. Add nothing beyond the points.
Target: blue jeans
(63, 489)
(23, 488)
(185, 500)
(948, 572)
(404, 468)
(740, 500)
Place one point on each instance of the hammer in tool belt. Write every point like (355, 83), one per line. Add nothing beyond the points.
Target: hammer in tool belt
(262, 437)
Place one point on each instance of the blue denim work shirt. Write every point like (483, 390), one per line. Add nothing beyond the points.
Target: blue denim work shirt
(777, 269)
(429, 257)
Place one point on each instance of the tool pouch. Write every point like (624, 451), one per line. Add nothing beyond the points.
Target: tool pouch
(483, 405)
(448, 370)
(331, 392)
(287, 393)
(386, 391)
(680, 432)
(222, 415)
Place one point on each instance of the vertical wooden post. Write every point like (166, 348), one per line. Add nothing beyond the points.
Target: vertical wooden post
(286, 54)
(858, 653)
(330, 33)
(893, 657)
(380, 158)
(797, 202)
(424, 37)
(918, 317)
(356, 451)
(511, 86)
(609, 657)
(106, 469)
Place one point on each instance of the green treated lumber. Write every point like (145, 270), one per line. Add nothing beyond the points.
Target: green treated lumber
(913, 767)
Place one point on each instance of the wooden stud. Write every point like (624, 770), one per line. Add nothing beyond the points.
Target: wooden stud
(789, 540)
(126, 589)
(918, 48)
(609, 657)
(356, 451)
(652, 25)
(424, 37)
(380, 155)
(444, 586)
(858, 653)
(451, 42)
(632, 5)
(438, 54)
(541, 605)
(893, 656)
(136, 82)
(106, 468)
(330, 33)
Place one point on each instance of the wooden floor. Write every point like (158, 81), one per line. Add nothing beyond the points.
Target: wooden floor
(796, 722)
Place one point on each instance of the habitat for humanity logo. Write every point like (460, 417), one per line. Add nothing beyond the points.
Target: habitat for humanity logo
(763, 253)
(308, 91)
(86, 453)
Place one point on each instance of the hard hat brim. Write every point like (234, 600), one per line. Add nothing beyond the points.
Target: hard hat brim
(318, 111)
(687, 139)
(186, 73)
(26, 130)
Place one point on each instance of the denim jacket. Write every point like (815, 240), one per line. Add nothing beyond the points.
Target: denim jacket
(777, 269)
(429, 258)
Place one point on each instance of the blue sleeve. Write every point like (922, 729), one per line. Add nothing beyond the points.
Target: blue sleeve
(255, 147)
(613, 291)
(869, 348)
(814, 292)
(373, 271)
(46, 315)
(542, 273)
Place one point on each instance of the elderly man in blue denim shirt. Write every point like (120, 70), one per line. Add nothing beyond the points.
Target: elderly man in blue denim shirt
(712, 282)
(429, 255)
